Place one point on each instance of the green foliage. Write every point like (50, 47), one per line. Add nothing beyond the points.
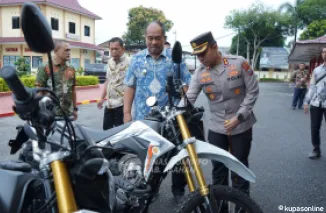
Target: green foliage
(270, 80)
(22, 69)
(312, 10)
(80, 71)
(276, 40)
(139, 18)
(86, 80)
(258, 24)
(293, 11)
(314, 30)
(3, 86)
(29, 81)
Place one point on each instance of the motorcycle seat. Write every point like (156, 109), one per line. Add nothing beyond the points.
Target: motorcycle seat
(16, 166)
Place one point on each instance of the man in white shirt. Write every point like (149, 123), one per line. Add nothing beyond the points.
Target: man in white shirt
(316, 97)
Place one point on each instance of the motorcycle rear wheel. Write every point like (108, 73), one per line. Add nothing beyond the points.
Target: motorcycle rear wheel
(242, 203)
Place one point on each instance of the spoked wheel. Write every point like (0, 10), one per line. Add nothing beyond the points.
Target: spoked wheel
(224, 200)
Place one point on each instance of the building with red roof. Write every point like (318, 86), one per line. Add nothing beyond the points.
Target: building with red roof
(308, 51)
(69, 21)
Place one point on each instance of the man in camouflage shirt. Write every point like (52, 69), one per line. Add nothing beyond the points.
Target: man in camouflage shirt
(300, 77)
(64, 78)
(113, 87)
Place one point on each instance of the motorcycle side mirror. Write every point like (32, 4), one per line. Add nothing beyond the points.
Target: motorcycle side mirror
(37, 32)
(36, 29)
(151, 101)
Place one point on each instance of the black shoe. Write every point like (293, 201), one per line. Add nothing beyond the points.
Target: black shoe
(314, 154)
(178, 196)
(293, 108)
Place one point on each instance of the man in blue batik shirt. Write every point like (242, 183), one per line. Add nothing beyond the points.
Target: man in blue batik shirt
(145, 77)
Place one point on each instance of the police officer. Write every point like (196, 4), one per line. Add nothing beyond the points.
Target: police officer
(232, 90)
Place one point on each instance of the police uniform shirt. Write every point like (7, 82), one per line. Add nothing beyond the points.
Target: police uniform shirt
(231, 88)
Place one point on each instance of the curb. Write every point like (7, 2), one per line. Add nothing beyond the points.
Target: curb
(9, 114)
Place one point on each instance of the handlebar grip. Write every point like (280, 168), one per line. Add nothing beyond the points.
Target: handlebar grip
(8, 73)
(169, 80)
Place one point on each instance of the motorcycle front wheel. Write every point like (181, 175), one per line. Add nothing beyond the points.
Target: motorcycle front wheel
(227, 200)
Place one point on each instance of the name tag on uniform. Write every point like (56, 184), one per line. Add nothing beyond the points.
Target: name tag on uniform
(205, 78)
(233, 73)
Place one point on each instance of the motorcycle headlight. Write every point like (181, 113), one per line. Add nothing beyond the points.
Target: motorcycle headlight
(130, 166)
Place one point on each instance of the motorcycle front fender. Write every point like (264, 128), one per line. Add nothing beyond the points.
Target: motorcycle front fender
(208, 151)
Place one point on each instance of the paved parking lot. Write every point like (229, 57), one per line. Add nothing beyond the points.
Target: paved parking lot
(285, 175)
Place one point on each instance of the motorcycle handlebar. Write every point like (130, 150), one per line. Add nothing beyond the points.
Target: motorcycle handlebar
(8, 73)
(169, 84)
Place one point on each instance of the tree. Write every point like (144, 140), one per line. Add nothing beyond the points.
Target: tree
(314, 30)
(139, 18)
(22, 68)
(276, 40)
(294, 12)
(312, 10)
(256, 25)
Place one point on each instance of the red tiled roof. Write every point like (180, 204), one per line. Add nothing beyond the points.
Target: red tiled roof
(320, 40)
(8, 40)
(72, 5)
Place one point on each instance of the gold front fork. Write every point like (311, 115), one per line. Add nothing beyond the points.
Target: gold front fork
(193, 156)
(63, 188)
(190, 180)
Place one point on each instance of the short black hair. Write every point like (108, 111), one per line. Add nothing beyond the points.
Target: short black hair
(167, 43)
(159, 24)
(116, 39)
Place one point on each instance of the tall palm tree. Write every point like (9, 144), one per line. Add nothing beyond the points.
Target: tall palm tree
(293, 11)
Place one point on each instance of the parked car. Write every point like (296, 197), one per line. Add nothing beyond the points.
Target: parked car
(98, 70)
(191, 62)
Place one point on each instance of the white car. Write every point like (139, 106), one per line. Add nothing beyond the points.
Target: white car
(191, 62)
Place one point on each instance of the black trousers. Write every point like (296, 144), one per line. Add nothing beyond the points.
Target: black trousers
(240, 148)
(316, 117)
(112, 117)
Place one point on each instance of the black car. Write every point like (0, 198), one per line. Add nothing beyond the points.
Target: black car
(98, 70)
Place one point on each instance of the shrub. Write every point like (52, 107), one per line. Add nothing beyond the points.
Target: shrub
(22, 69)
(29, 81)
(270, 80)
(86, 80)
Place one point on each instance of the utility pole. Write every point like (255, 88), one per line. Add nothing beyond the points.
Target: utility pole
(175, 35)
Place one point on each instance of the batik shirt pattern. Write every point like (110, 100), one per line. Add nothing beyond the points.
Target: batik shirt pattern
(115, 76)
(65, 80)
(148, 77)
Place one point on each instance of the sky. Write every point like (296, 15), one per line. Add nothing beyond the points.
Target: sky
(190, 18)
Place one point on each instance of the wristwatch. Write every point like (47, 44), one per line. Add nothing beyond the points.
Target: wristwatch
(75, 108)
(240, 117)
